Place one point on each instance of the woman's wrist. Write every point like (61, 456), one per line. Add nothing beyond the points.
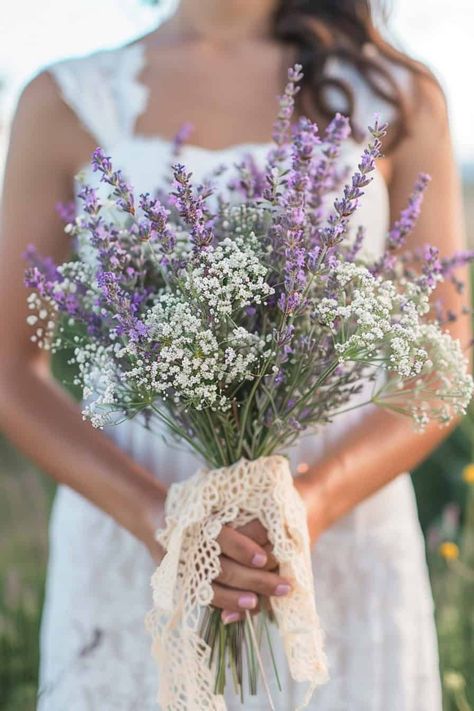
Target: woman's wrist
(141, 509)
(152, 519)
(313, 495)
(318, 489)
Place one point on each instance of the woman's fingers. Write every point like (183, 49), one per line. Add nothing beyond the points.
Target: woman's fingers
(256, 531)
(233, 600)
(272, 563)
(227, 617)
(241, 548)
(241, 577)
(234, 544)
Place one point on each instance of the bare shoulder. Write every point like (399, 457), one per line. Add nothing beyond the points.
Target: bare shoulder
(43, 121)
(427, 102)
(427, 128)
(41, 99)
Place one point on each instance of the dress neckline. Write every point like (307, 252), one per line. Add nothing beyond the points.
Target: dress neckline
(134, 61)
(134, 58)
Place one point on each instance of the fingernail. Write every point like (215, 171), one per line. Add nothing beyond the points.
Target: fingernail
(248, 602)
(228, 617)
(259, 560)
(282, 589)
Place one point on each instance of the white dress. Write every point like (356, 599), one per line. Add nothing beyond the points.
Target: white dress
(372, 588)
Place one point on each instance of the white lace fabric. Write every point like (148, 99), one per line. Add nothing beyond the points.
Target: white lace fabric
(196, 510)
(104, 92)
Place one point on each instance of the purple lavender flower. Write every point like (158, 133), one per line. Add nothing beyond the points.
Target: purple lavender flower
(282, 124)
(44, 277)
(432, 269)
(39, 265)
(281, 131)
(123, 192)
(409, 216)
(323, 173)
(66, 211)
(457, 261)
(250, 180)
(344, 208)
(355, 248)
(156, 227)
(290, 227)
(123, 306)
(181, 137)
(88, 195)
(193, 208)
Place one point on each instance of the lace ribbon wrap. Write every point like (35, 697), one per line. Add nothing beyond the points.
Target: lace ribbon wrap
(196, 510)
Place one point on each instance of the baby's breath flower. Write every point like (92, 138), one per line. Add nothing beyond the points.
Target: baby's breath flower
(228, 277)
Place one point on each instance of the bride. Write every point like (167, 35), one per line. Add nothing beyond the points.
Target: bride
(220, 65)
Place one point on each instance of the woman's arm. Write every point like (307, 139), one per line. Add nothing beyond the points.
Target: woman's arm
(383, 445)
(47, 147)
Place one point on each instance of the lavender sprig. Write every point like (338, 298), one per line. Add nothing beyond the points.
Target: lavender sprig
(122, 190)
(281, 134)
(181, 137)
(156, 227)
(293, 216)
(405, 225)
(323, 173)
(192, 208)
(344, 208)
(281, 128)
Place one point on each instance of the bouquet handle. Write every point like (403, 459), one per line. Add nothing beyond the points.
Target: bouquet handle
(196, 510)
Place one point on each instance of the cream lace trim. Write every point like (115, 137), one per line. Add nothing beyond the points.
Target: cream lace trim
(196, 510)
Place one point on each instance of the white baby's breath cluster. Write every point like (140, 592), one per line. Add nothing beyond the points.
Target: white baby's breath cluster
(42, 320)
(44, 308)
(227, 277)
(371, 316)
(443, 388)
(381, 323)
(98, 376)
(193, 364)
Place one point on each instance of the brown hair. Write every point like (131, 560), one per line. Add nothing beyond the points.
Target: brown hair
(344, 29)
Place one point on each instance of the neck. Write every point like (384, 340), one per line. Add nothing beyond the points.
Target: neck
(220, 21)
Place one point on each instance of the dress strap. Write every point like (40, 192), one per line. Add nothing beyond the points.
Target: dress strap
(104, 92)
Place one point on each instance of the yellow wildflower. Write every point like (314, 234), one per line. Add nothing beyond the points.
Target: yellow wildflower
(454, 681)
(449, 550)
(468, 474)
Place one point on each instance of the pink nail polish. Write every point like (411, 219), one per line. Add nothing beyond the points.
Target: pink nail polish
(247, 602)
(282, 589)
(259, 560)
(228, 617)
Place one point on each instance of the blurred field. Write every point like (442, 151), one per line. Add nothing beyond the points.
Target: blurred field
(446, 505)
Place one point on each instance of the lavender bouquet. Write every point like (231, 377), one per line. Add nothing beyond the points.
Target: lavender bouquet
(238, 320)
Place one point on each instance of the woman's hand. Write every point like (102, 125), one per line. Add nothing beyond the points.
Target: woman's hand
(248, 569)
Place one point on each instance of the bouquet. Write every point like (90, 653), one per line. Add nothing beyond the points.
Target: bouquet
(239, 319)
